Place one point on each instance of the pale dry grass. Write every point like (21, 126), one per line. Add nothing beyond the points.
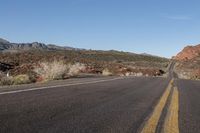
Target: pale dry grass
(58, 70)
(106, 72)
(51, 70)
(75, 69)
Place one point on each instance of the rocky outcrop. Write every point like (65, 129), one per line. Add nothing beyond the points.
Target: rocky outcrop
(188, 62)
(188, 53)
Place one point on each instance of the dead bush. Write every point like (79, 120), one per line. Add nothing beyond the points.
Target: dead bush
(51, 70)
(57, 70)
(106, 72)
(75, 69)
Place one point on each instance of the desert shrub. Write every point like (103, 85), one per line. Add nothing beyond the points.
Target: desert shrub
(57, 70)
(75, 69)
(106, 72)
(21, 79)
(51, 70)
(6, 81)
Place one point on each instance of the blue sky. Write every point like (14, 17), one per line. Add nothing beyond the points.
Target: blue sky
(159, 27)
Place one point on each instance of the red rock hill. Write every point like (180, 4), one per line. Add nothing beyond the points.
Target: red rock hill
(188, 53)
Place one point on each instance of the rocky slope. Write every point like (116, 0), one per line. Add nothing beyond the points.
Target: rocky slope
(188, 53)
(188, 62)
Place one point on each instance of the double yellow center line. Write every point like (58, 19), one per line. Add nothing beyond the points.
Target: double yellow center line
(171, 120)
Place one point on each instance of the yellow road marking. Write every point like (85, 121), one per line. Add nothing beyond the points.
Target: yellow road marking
(171, 120)
(151, 124)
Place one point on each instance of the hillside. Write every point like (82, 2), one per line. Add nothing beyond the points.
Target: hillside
(30, 56)
(188, 53)
(188, 62)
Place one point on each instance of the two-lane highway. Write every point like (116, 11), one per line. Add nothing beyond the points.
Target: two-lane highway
(103, 105)
(115, 106)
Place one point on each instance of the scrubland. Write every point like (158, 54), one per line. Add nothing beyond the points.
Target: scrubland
(42, 66)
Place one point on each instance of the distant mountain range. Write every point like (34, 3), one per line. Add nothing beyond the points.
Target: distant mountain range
(8, 46)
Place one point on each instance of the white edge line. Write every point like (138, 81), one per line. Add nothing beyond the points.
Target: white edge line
(50, 87)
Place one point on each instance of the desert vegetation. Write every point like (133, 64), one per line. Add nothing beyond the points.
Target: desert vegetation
(43, 65)
(44, 71)
(56, 70)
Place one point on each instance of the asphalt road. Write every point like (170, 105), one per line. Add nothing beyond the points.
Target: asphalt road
(103, 105)
(189, 106)
(119, 105)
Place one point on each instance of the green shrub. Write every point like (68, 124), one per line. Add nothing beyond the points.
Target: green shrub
(21, 79)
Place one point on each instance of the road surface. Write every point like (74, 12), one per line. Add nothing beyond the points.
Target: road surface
(189, 116)
(119, 105)
(102, 105)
